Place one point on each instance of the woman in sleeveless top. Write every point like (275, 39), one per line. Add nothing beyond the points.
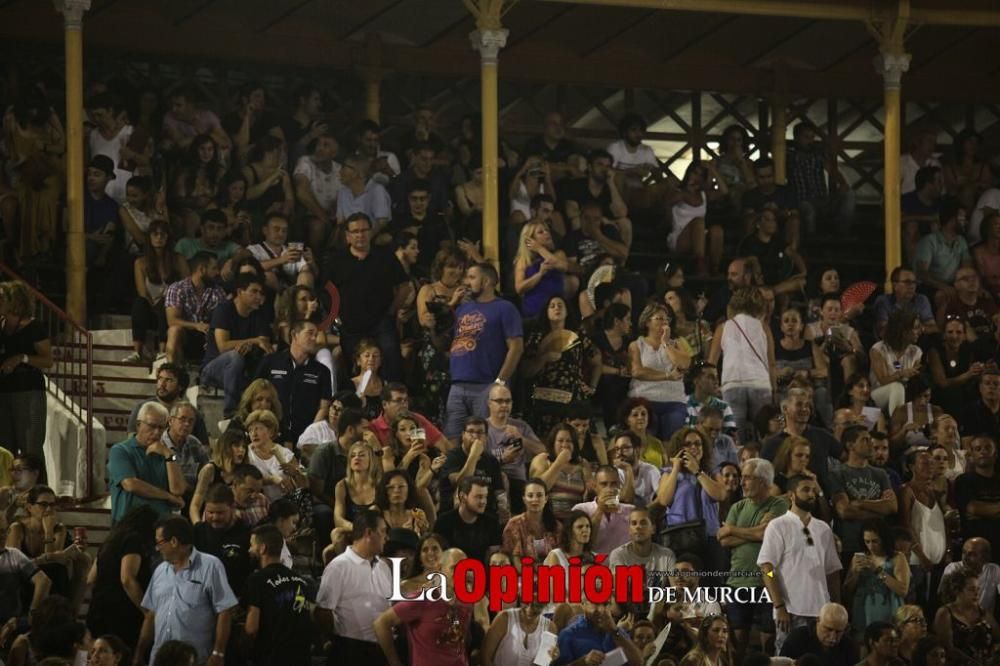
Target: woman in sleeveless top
(953, 368)
(858, 398)
(746, 349)
(436, 303)
(922, 510)
(269, 189)
(895, 359)
(877, 579)
(515, 636)
(229, 451)
(154, 271)
(688, 208)
(689, 324)
(688, 491)
(539, 269)
(987, 254)
(657, 362)
(575, 543)
(141, 208)
(966, 629)
(798, 357)
(564, 473)
(946, 435)
(354, 493)
(912, 424)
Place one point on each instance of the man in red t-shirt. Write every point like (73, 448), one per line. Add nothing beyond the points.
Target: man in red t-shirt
(395, 400)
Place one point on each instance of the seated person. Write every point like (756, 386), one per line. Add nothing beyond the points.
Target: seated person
(317, 182)
(384, 164)
(769, 193)
(965, 302)
(417, 218)
(189, 304)
(284, 263)
(598, 185)
(941, 253)
(689, 233)
(562, 155)
(422, 167)
(214, 229)
(640, 178)
(360, 195)
(100, 212)
(904, 296)
(780, 263)
(921, 208)
(184, 121)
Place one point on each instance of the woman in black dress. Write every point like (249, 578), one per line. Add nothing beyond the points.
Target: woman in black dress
(119, 577)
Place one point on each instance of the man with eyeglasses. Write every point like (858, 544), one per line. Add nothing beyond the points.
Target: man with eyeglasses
(829, 640)
(624, 455)
(967, 303)
(798, 561)
(143, 470)
(191, 453)
(743, 534)
(904, 296)
(171, 382)
(512, 442)
(373, 287)
(396, 400)
(471, 459)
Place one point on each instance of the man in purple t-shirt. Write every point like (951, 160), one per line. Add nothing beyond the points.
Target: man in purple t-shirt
(485, 349)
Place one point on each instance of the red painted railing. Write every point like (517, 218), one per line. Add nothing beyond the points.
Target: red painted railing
(72, 371)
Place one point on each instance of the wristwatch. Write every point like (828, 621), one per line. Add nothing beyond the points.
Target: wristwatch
(499, 381)
(172, 458)
(216, 653)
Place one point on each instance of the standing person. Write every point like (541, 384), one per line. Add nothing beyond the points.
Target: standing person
(657, 362)
(25, 350)
(373, 287)
(188, 596)
(612, 339)
(191, 454)
(225, 537)
(656, 560)
(922, 510)
(120, 575)
(748, 372)
(977, 493)
(277, 624)
(143, 470)
(486, 348)
(436, 631)
(796, 411)
(511, 441)
(878, 577)
(354, 592)
(798, 547)
(859, 491)
(743, 534)
(302, 382)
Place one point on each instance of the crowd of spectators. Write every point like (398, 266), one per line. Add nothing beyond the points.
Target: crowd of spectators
(388, 392)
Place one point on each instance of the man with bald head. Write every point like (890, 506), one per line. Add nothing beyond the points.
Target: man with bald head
(436, 629)
(976, 555)
(828, 639)
(512, 442)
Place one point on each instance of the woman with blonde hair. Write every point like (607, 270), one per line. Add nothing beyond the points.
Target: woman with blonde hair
(229, 451)
(260, 394)
(282, 472)
(747, 349)
(911, 624)
(657, 362)
(25, 350)
(356, 492)
(539, 269)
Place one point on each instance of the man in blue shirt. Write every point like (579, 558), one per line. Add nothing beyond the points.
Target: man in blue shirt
(904, 296)
(587, 639)
(143, 470)
(188, 598)
(487, 345)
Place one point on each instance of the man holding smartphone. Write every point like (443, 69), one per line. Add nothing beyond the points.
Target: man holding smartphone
(512, 442)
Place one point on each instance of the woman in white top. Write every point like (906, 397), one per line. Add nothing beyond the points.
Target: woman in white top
(157, 268)
(657, 363)
(747, 351)
(282, 473)
(946, 435)
(922, 509)
(895, 360)
(534, 177)
(141, 208)
(515, 636)
(690, 204)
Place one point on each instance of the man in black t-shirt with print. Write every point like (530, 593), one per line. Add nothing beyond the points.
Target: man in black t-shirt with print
(469, 527)
(278, 623)
(225, 537)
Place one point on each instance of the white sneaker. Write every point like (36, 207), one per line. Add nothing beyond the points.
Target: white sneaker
(134, 357)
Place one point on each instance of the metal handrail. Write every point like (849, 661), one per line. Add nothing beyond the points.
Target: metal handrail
(72, 369)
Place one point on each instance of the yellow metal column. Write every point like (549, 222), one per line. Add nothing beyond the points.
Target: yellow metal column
(892, 63)
(779, 128)
(76, 248)
(371, 72)
(488, 40)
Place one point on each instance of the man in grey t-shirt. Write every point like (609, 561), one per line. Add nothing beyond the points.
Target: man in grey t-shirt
(859, 491)
(658, 561)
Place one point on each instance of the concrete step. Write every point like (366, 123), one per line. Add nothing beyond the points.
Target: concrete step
(119, 336)
(136, 386)
(101, 353)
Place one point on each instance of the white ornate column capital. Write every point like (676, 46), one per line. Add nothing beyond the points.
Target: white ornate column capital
(489, 43)
(891, 67)
(72, 11)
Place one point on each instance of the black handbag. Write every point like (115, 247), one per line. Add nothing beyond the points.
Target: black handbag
(687, 537)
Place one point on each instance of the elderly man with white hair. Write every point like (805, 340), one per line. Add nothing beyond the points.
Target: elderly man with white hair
(828, 640)
(743, 533)
(143, 470)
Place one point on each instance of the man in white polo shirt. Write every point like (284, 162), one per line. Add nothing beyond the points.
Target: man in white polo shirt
(800, 548)
(354, 591)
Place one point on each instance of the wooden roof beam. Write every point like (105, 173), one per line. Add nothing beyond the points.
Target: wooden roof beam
(803, 9)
